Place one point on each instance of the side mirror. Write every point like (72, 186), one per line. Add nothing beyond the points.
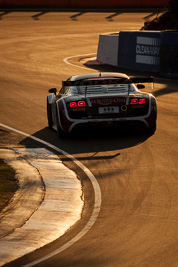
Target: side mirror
(53, 90)
(140, 86)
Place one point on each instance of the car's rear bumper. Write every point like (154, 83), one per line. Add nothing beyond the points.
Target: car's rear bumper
(68, 124)
(110, 123)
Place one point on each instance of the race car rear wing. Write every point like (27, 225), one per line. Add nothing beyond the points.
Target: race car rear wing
(105, 81)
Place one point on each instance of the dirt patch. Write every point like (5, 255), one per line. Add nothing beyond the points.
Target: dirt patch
(8, 184)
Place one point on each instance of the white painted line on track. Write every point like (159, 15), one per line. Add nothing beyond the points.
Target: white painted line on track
(97, 194)
(67, 58)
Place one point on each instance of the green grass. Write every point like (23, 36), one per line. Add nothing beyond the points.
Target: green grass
(8, 184)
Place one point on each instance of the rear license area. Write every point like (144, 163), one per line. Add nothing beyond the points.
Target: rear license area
(108, 110)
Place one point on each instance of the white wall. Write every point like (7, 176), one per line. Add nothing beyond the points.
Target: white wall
(108, 48)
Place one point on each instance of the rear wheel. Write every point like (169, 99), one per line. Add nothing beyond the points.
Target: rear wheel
(49, 114)
(152, 129)
(60, 132)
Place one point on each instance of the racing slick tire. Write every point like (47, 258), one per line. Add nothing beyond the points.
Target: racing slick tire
(60, 132)
(152, 129)
(49, 115)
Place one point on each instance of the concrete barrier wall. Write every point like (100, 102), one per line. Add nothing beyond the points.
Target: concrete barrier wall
(169, 54)
(152, 51)
(139, 50)
(85, 4)
(108, 49)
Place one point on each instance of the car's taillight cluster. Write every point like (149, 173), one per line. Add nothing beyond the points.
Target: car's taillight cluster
(80, 103)
(137, 101)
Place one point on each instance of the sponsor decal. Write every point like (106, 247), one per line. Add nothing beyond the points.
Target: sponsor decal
(148, 50)
(108, 101)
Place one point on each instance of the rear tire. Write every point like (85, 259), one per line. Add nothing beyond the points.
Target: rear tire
(152, 130)
(60, 132)
(49, 114)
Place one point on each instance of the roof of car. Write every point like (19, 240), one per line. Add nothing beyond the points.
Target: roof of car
(98, 75)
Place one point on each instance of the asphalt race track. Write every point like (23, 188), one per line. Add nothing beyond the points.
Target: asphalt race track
(137, 174)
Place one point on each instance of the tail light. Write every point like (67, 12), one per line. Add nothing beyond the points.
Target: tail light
(80, 103)
(72, 104)
(137, 101)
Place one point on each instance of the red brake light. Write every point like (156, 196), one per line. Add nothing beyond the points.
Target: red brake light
(136, 101)
(72, 104)
(81, 104)
(142, 101)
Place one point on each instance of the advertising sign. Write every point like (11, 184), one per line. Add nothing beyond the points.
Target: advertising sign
(139, 50)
